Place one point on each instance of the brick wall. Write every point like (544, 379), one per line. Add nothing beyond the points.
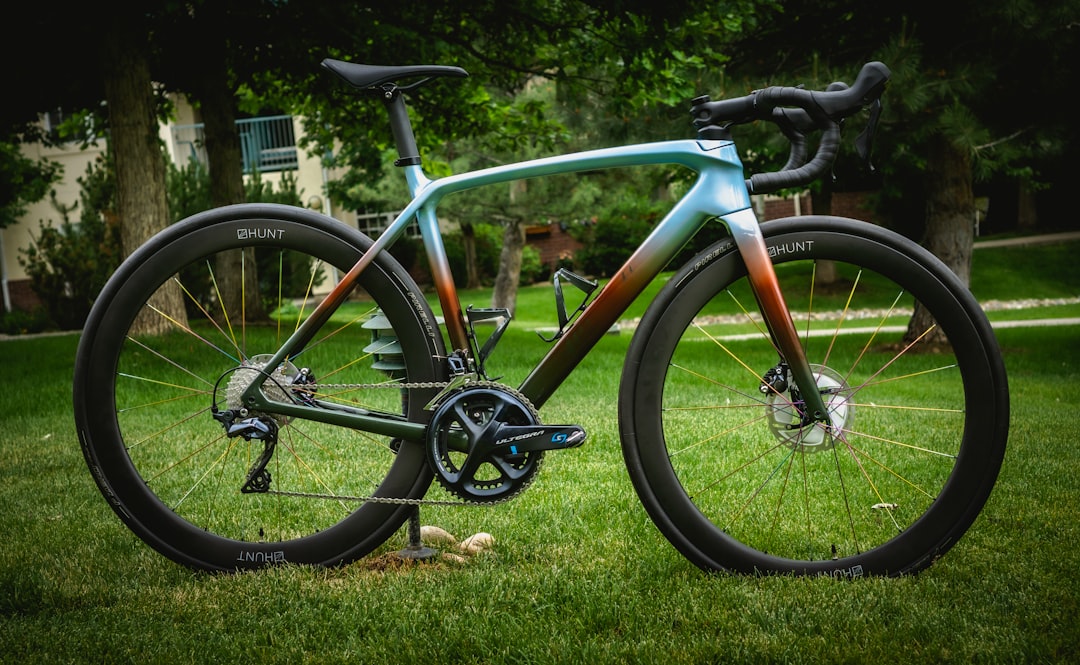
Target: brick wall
(552, 241)
(844, 204)
(22, 296)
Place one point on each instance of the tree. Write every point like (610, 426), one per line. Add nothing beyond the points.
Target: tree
(114, 50)
(955, 113)
(140, 167)
(210, 76)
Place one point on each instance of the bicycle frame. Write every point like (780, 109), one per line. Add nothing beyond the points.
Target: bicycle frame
(718, 192)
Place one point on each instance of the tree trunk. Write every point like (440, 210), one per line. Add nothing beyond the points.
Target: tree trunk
(506, 282)
(468, 240)
(140, 166)
(235, 270)
(950, 224)
(821, 204)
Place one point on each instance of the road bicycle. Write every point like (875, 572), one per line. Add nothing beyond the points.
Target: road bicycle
(833, 439)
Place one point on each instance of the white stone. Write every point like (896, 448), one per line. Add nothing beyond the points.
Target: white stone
(477, 543)
(436, 536)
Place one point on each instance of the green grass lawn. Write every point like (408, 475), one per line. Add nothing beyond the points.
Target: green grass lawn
(578, 574)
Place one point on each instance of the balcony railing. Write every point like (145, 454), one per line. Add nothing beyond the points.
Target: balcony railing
(266, 144)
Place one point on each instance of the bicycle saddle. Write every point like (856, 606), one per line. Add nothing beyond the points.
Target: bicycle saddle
(374, 76)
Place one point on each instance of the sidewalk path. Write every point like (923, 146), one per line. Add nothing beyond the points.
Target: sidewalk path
(1024, 241)
(1020, 241)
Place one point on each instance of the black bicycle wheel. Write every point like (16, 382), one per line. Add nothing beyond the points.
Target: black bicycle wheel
(919, 416)
(147, 383)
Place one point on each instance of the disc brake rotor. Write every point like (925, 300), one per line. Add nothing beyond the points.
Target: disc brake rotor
(787, 424)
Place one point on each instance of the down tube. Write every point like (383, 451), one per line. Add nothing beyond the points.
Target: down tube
(676, 229)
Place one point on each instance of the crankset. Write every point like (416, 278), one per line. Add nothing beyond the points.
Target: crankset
(485, 442)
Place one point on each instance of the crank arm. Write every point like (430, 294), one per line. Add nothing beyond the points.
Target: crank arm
(518, 439)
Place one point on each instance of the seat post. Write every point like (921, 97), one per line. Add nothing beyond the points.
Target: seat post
(401, 127)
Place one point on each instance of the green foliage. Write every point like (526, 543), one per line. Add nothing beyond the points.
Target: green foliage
(608, 242)
(22, 181)
(19, 322)
(68, 265)
(532, 270)
(487, 241)
(188, 190)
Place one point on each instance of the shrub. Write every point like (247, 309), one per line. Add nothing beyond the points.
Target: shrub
(68, 265)
(532, 270)
(18, 322)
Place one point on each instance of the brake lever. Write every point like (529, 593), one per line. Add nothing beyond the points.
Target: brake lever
(865, 140)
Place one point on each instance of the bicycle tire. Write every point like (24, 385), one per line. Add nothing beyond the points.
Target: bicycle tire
(143, 403)
(736, 483)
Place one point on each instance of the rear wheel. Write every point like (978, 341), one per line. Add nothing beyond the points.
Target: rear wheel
(916, 432)
(144, 402)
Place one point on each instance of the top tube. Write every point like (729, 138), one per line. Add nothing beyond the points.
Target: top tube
(697, 155)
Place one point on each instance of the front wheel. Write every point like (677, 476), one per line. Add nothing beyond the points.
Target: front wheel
(918, 412)
(190, 320)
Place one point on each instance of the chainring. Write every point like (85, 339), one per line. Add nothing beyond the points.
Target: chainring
(459, 443)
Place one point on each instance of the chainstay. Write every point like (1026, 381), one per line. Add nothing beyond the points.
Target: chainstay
(388, 499)
(314, 387)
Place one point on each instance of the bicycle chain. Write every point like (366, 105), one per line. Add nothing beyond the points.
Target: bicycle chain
(314, 387)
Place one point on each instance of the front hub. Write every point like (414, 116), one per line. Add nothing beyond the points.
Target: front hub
(787, 420)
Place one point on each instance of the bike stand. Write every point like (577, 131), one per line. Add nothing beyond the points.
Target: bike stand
(415, 551)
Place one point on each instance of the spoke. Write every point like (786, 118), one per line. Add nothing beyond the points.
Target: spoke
(144, 405)
(888, 364)
(751, 318)
(783, 490)
(243, 295)
(843, 316)
(870, 382)
(168, 384)
(922, 409)
(891, 471)
(739, 360)
(847, 504)
(307, 293)
(209, 444)
(170, 361)
(195, 334)
(702, 490)
(218, 464)
(716, 436)
(167, 428)
(224, 313)
(899, 444)
(866, 475)
(332, 333)
(873, 336)
(280, 287)
(303, 466)
(784, 461)
(757, 401)
(206, 314)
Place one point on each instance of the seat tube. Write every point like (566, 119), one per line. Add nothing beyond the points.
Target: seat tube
(746, 231)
